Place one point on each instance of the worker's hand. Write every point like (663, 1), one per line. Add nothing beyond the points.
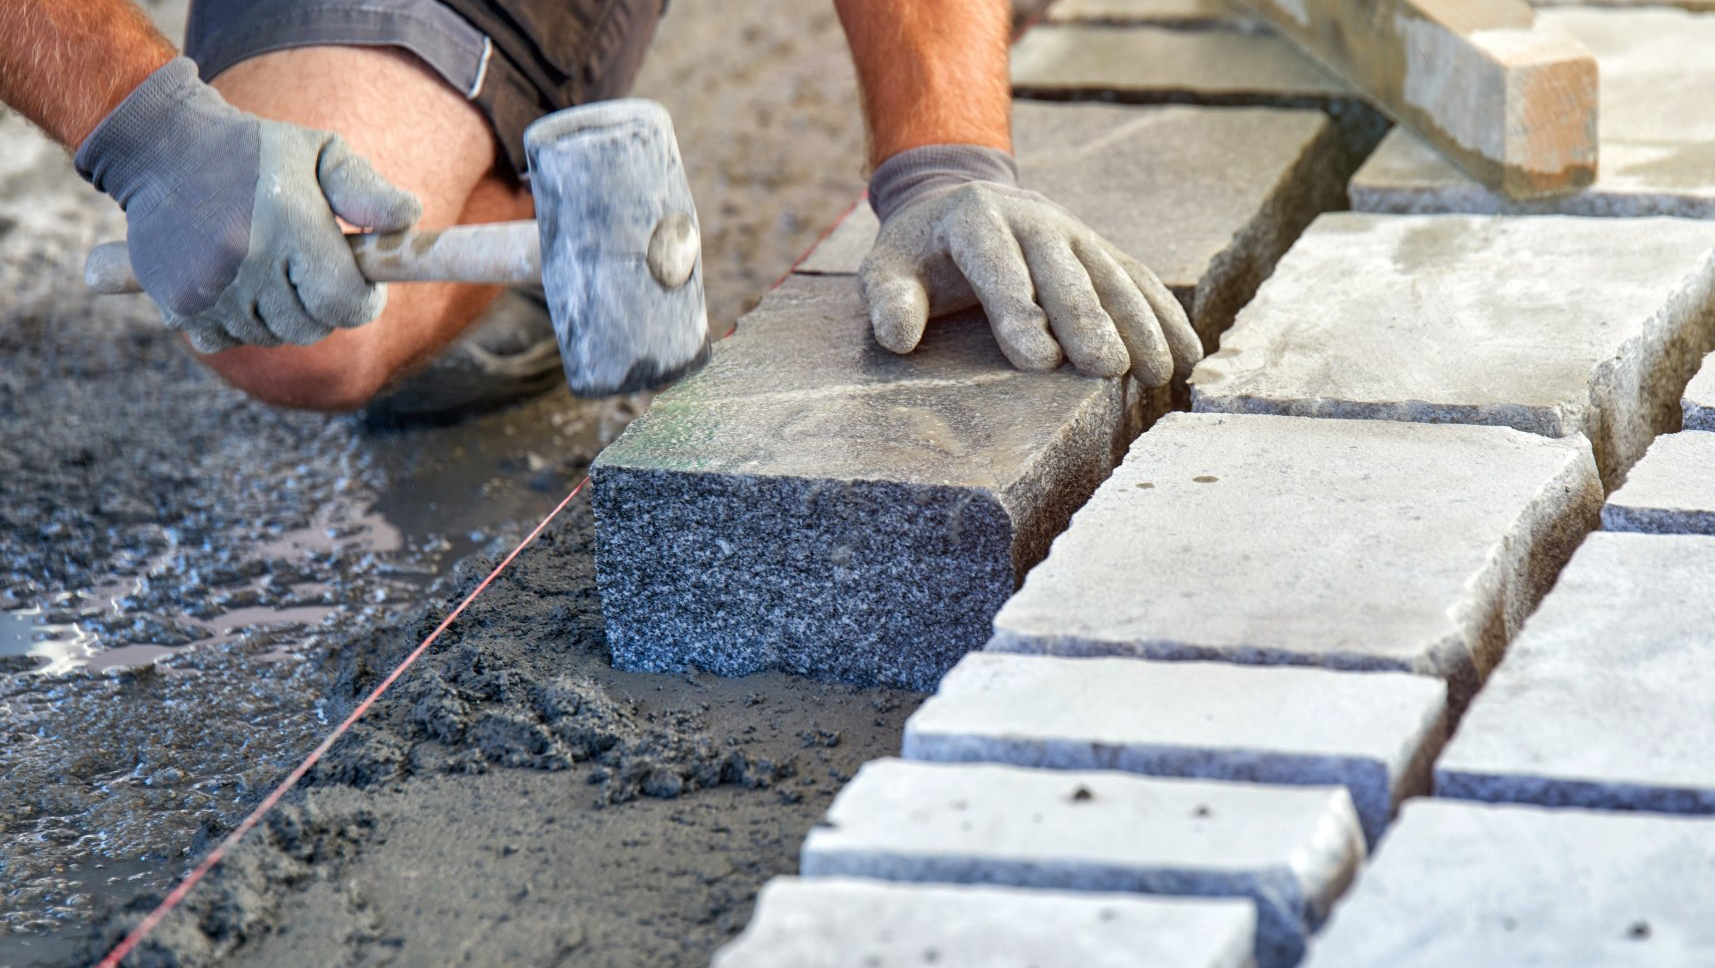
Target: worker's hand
(231, 218)
(956, 231)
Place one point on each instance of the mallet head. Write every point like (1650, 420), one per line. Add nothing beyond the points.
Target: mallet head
(621, 251)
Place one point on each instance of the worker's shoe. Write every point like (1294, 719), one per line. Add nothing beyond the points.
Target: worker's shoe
(508, 355)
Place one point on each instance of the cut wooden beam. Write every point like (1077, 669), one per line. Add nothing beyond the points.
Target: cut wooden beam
(1509, 98)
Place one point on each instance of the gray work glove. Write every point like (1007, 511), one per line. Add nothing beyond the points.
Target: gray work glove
(231, 218)
(956, 231)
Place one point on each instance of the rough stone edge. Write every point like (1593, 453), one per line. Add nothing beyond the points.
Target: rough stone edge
(1671, 348)
(1474, 199)
(1522, 568)
(1554, 422)
(1307, 188)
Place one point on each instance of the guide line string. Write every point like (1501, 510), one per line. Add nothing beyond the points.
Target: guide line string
(231, 840)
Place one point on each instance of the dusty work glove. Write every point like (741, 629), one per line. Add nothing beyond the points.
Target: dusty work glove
(956, 231)
(231, 218)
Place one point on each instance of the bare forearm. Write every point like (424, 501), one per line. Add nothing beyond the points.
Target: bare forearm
(65, 65)
(932, 71)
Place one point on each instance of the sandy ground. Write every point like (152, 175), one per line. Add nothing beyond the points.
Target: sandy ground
(515, 798)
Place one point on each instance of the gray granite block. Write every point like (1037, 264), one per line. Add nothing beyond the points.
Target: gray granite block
(1557, 326)
(836, 922)
(1292, 850)
(1697, 403)
(814, 503)
(1148, 64)
(1374, 734)
(1670, 491)
(1604, 700)
(1365, 545)
(1460, 884)
(1657, 134)
(1208, 199)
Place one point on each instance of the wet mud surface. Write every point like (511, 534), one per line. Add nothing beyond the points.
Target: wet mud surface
(193, 589)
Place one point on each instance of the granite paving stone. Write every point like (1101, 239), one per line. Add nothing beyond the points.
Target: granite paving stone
(1657, 134)
(1364, 545)
(1224, 67)
(834, 922)
(814, 503)
(1375, 734)
(1556, 326)
(1670, 491)
(1697, 404)
(1470, 884)
(1291, 850)
(1209, 199)
(1604, 699)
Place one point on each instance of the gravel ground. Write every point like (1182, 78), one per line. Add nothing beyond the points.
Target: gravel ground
(194, 587)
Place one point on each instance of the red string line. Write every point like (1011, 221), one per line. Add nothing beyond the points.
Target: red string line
(220, 851)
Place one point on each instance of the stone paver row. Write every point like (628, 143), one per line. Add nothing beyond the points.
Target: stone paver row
(832, 508)
(1290, 850)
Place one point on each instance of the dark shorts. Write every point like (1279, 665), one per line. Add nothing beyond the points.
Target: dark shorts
(516, 59)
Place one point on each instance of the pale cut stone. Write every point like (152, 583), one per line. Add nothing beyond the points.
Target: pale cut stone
(1460, 884)
(1670, 491)
(1161, 65)
(1292, 850)
(1208, 199)
(1604, 699)
(1367, 545)
(1174, 13)
(1374, 734)
(1658, 137)
(1697, 404)
(835, 922)
(1556, 326)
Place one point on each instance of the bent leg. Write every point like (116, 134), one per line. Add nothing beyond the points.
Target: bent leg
(425, 137)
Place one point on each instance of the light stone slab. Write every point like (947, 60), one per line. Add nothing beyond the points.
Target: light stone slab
(1458, 884)
(1374, 734)
(1292, 850)
(1161, 65)
(1657, 132)
(1605, 699)
(1670, 491)
(1366, 545)
(856, 923)
(1208, 199)
(1557, 326)
(814, 503)
(1172, 13)
(1697, 404)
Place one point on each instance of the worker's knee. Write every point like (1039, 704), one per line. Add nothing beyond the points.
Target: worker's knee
(333, 376)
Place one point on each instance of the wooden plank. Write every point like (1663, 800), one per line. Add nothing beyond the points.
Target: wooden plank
(1508, 97)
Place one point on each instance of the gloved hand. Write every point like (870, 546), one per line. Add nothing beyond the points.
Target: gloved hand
(956, 230)
(231, 218)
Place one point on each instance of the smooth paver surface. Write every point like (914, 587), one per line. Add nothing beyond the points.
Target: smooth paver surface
(1670, 491)
(814, 503)
(1604, 700)
(1556, 326)
(1162, 65)
(1209, 199)
(856, 923)
(1178, 13)
(1657, 135)
(1292, 850)
(1456, 884)
(1374, 733)
(1281, 540)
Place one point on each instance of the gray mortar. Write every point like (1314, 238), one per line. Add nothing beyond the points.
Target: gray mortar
(132, 773)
